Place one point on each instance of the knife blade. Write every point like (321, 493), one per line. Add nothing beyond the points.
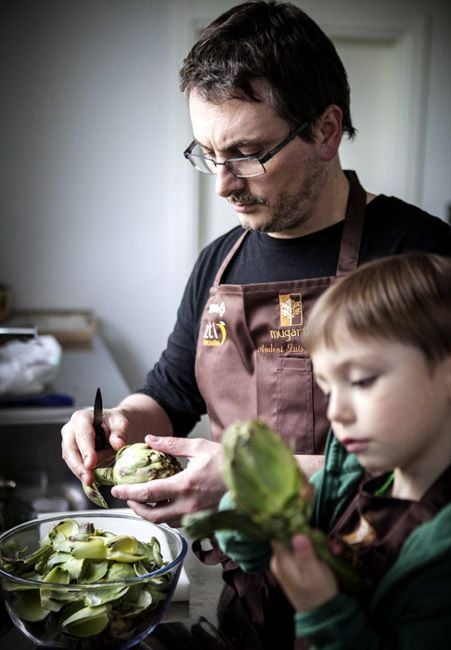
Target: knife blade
(99, 440)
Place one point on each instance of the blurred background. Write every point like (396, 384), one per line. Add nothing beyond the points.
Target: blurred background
(98, 208)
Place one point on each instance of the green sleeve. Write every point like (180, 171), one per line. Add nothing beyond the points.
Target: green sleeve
(338, 624)
(252, 556)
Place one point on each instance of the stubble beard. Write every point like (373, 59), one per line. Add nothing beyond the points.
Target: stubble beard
(290, 210)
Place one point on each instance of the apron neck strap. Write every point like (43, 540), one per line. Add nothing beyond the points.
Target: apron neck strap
(348, 258)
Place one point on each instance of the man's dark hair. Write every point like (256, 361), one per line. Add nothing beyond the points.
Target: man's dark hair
(278, 44)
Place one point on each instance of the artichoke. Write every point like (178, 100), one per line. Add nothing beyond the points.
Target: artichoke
(272, 498)
(135, 463)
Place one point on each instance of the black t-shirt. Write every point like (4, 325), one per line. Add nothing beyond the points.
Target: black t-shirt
(391, 227)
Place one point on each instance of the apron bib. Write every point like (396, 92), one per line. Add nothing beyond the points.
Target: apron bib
(251, 361)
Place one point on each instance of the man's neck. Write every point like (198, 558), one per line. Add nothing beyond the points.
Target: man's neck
(330, 207)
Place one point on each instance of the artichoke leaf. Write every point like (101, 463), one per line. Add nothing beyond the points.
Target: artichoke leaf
(120, 571)
(103, 595)
(62, 532)
(27, 606)
(87, 621)
(93, 571)
(93, 549)
(94, 495)
(201, 525)
(124, 549)
(74, 567)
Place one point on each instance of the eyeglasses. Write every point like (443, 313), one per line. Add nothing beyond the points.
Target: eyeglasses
(244, 167)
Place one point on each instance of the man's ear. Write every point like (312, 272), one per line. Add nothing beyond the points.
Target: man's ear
(328, 132)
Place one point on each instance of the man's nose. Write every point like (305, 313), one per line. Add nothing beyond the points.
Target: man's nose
(226, 182)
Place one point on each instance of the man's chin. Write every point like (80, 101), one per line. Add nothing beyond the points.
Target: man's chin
(254, 224)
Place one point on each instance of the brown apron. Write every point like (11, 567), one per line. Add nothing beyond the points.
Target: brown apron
(251, 363)
(376, 525)
(250, 359)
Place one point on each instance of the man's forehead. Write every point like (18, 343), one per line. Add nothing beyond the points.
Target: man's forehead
(232, 119)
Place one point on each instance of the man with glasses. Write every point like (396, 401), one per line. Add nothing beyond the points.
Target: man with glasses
(269, 104)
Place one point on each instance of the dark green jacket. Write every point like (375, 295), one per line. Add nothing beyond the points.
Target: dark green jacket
(410, 609)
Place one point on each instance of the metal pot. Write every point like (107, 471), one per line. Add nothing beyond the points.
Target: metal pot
(7, 490)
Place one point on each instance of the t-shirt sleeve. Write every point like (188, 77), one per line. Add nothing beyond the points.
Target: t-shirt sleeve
(172, 381)
(393, 226)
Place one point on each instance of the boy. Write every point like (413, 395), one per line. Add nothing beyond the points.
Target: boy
(380, 342)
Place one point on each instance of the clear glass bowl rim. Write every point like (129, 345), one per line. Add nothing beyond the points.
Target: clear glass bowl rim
(28, 525)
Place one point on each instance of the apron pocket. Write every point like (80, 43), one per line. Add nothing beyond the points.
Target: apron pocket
(295, 404)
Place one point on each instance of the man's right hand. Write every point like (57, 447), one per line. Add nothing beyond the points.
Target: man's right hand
(78, 440)
(129, 422)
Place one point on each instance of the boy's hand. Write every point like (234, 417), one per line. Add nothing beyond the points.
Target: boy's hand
(306, 581)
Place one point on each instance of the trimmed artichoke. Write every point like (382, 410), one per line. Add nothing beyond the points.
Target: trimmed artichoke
(272, 497)
(135, 463)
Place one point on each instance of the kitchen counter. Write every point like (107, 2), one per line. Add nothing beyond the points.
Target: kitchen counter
(82, 370)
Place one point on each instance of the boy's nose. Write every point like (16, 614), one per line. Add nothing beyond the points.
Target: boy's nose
(339, 408)
(226, 182)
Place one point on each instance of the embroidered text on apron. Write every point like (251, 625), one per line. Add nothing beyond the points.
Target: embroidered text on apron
(250, 359)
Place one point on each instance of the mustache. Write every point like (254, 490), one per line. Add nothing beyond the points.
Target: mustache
(244, 198)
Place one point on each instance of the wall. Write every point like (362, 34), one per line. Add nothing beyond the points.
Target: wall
(96, 202)
(85, 189)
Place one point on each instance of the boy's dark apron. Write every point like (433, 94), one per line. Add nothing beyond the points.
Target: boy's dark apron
(251, 363)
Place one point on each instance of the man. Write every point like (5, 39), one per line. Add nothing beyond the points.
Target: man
(269, 103)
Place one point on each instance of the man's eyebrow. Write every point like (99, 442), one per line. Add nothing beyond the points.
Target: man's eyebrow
(233, 146)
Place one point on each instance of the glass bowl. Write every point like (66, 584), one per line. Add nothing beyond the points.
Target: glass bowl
(57, 612)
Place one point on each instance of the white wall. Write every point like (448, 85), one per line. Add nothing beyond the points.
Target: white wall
(96, 201)
(85, 194)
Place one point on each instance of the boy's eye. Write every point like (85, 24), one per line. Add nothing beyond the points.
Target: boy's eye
(364, 382)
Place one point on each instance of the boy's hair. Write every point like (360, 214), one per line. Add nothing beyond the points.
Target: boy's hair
(404, 298)
(276, 43)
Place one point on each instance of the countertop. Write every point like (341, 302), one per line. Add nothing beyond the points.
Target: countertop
(81, 371)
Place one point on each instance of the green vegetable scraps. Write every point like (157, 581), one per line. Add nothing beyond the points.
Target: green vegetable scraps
(135, 463)
(75, 554)
(272, 499)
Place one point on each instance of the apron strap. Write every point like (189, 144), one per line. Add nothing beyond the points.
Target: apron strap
(228, 258)
(348, 258)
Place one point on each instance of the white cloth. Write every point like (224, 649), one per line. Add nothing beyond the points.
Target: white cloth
(28, 367)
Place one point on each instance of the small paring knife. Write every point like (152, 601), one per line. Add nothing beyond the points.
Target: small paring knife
(100, 442)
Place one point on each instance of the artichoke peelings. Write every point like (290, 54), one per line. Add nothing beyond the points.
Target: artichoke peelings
(75, 554)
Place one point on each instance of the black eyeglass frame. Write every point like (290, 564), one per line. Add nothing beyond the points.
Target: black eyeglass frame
(227, 163)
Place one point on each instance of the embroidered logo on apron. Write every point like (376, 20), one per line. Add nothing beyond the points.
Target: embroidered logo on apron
(291, 313)
(215, 333)
(290, 326)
